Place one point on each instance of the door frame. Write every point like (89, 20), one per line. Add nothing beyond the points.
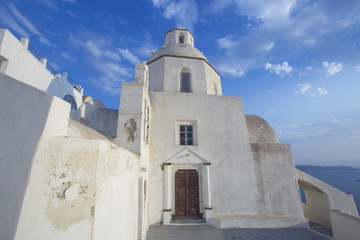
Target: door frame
(183, 160)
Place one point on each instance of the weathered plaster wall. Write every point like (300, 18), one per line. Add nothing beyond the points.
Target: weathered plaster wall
(104, 121)
(276, 180)
(116, 209)
(81, 189)
(221, 139)
(29, 118)
(259, 130)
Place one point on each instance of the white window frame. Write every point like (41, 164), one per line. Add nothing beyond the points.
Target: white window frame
(194, 131)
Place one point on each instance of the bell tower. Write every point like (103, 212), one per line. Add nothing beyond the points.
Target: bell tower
(179, 67)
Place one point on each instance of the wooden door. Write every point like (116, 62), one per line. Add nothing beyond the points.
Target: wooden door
(186, 194)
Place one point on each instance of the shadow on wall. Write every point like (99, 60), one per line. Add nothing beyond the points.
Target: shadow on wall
(94, 114)
(24, 120)
(316, 206)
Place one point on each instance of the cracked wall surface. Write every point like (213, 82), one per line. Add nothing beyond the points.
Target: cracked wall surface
(74, 182)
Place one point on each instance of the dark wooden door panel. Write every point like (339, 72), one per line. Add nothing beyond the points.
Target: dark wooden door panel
(187, 194)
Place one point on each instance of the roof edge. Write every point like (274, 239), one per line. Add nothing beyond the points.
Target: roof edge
(178, 56)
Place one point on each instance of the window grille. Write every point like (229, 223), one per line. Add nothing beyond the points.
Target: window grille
(186, 135)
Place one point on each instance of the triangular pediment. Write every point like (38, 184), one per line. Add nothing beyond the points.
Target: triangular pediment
(186, 156)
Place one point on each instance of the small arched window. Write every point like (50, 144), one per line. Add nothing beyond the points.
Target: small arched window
(185, 83)
(181, 39)
(68, 98)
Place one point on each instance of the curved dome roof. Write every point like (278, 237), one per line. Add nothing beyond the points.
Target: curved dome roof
(174, 47)
(259, 130)
(178, 51)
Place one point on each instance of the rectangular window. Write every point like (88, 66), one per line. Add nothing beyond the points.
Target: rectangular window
(186, 135)
(181, 39)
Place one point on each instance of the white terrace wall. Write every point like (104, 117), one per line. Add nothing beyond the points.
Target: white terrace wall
(81, 189)
(344, 226)
(28, 118)
(19, 63)
(277, 182)
(321, 198)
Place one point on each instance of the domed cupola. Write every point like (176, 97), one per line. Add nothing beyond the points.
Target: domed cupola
(179, 67)
(178, 42)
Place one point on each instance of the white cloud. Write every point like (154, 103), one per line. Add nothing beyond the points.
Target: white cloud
(309, 68)
(11, 23)
(337, 126)
(98, 49)
(283, 28)
(357, 68)
(23, 20)
(279, 69)
(71, 13)
(19, 23)
(185, 12)
(303, 88)
(322, 91)
(270, 111)
(159, 3)
(49, 3)
(109, 67)
(125, 53)
(145, 50)
(232, 71)
(332, 68)
(226, 42)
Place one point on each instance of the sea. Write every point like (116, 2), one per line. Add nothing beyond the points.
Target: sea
(344, 178)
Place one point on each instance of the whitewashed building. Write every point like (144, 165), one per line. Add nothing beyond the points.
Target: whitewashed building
(183, 152)
(18, 62)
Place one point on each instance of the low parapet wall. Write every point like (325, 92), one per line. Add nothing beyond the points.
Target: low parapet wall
(330, 207)
(344, 226)
(337, 199)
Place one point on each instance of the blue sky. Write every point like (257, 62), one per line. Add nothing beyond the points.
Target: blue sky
(294, 63)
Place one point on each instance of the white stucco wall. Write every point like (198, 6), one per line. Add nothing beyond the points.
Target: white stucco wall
(276, 180)
(165, 75)
(213, 83)
(21, 64)
(81, 189)
(344, 226)
(337, 199)
(317, 208)
(156, 75)
(27, 122)
(222, 140)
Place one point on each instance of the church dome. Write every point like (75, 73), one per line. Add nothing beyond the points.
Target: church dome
(179, 42)
(259, 130)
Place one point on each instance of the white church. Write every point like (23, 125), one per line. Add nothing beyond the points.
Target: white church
(175, 152)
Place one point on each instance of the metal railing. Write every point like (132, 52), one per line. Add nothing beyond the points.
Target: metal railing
(52, 70)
